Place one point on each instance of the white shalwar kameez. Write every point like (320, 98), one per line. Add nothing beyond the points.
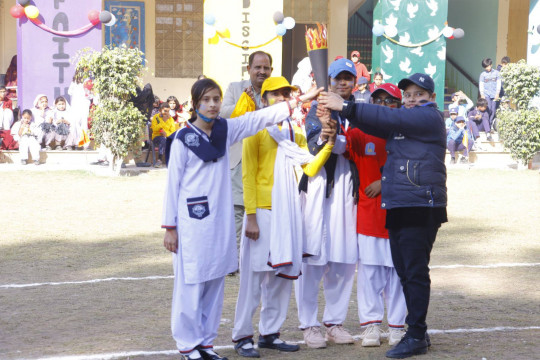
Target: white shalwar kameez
(336, 262)
(198, 203)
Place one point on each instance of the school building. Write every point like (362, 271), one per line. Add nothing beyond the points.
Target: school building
(179, 44)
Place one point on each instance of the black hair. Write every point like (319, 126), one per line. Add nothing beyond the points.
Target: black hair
(377, 73)
(60, 98)
(200, 77)
(164, 105)
(486, 62)
(198, 90)
(252, 56)
(481, 102)
(27, 111)
(173, 98)
(2, 87)
(157, 99)
(505, 60)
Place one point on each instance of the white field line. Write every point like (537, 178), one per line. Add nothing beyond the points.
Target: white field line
(111, 356)
(94, 281)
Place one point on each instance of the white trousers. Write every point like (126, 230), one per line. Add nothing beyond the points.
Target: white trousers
(256, 287)
(338, 280)
(375, 285)
(29, 144)
(196, 310)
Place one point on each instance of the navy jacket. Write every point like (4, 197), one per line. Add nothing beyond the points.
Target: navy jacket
(414, 174)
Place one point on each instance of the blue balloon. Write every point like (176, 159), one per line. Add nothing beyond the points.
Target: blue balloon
(209, 19)
(281, 29)
(378, 29)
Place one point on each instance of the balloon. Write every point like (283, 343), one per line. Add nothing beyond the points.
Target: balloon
(459, 33)
(448, 31)
(378, 29)
(289, 23)
(278, 17)
(93, 16)
(23, 2)
(281, 29)
(209, 19)
(31, 11)
(390, 31)
(17, 11)
(105, 16)
(112, 22)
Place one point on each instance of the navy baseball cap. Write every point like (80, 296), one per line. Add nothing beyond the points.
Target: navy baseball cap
(453, 110)
(362, 80)
(459, 118)
(423, 80)
(341, 65)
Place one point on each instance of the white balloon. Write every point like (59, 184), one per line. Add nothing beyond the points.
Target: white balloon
(289, 23)
(390, 31)
(112, 22)
(448, 31)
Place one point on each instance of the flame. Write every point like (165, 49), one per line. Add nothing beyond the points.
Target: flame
(316, 38)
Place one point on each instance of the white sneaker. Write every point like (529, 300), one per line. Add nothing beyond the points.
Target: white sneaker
(339, 335)
(313, 338)
(395, 335)
(371, 336)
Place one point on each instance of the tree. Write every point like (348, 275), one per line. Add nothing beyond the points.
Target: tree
(116, 73)
(519, 129)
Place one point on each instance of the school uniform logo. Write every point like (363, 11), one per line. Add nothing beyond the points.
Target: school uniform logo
(192, 140)
(399, 137)
(198, 207)
(370, 149)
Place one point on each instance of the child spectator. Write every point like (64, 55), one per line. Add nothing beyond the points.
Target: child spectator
(361, 69)
(155, 106)
(504, 61)
(43, 118)
(162, 126)
(65, 132)
(175, 108)
(362, 95)
(459, 138)
(457, 97)
(26, 132)
(377, 81)
(453, 110)
(479, 120)
(489, 86)
(377, 278)
(6, 120)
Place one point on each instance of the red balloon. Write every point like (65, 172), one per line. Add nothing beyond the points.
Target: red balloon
(17, 11)
(93, 16)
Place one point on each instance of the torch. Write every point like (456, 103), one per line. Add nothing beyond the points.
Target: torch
(317, 47)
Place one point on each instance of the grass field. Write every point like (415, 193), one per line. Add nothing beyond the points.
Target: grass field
(65, 227)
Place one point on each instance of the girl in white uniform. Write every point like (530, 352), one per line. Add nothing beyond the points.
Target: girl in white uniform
(198, 214)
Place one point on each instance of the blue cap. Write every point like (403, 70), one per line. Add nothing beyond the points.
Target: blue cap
(362, 80)
(423, 80)
(341, 65)
(453, 109)
(459, 118)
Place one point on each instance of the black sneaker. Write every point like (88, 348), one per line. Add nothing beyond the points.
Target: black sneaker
(428, 340)
(453, 160)
(209, 354)
(36, 162)
(464, 160)
(249, 352)
(273, 342)
(407, 347)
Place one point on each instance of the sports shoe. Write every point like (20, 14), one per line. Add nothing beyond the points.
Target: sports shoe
(273, 341)
(158, 164)
(395, 335)
(245, 348)
(210, 354)
(58, 147)
(464, 160)
(24, 162)
(371, 336)
(313, 337)
(47, 148)
(338, 335)
(36, 162)
(194, 355)
(453, 160)
(407, 347)
(489, 138)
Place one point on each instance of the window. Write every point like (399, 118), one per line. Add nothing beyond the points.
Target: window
(179, 38)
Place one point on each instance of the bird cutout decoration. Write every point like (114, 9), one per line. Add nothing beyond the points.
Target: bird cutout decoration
(405, 65)
(385, 75)
(391, 20)
(412, 9)
(430, 69)
(433, 6)
(441, 54)
(388, 52)
(418, 51)
(405, 39)
(395, 4)
(433, 32)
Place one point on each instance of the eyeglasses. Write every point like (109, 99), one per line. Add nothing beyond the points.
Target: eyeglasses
(386, 101)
